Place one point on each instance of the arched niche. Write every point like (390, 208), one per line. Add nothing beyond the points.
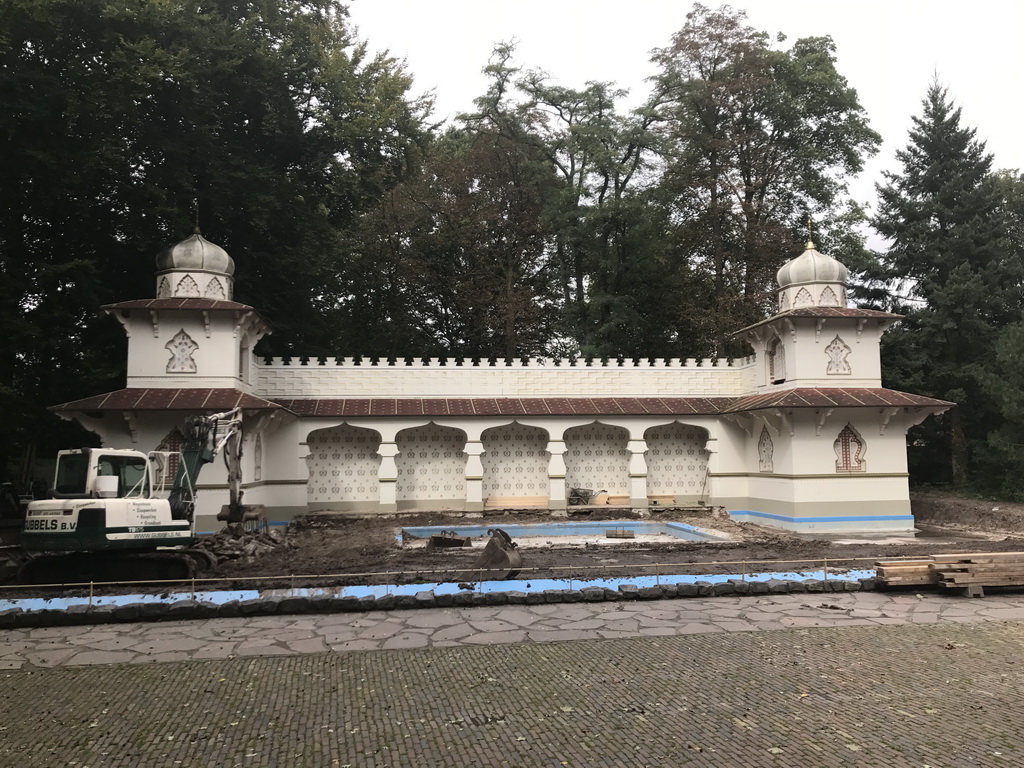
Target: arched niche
(431, 467)
(515, 461)
(343, 464)
(850, 449)
(596, 457)
(677, 461)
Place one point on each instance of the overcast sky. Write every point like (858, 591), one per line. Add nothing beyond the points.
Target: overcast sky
(887, 49)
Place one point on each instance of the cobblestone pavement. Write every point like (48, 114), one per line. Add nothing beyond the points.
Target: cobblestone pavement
(861, 679)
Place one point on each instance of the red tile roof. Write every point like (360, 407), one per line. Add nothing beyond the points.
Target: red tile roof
(808, 397)
(223, 399)
(826, 312)
(169, 400)
(216, 305)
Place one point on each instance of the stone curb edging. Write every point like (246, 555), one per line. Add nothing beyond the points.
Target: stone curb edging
(17, 618)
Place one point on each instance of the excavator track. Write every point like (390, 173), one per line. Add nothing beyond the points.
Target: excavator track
(84, 567)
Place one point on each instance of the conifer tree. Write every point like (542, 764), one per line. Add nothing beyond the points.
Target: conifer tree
(955, 279)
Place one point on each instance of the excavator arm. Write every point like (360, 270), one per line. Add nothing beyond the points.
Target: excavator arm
(206, 437)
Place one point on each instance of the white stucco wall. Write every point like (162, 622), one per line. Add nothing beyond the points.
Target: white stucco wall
(722, 378)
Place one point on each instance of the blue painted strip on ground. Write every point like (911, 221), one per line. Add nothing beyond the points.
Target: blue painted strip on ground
(447, 588)
(847, 519)
(581, 528)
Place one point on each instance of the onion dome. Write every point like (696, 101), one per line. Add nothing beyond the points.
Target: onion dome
(812, 279)
(195, 253)
(194, 268)
(811, 266)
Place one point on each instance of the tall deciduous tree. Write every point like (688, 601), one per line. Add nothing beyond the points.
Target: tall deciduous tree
(960, 280)
(118, 117)
(457, 261)
(754, 140)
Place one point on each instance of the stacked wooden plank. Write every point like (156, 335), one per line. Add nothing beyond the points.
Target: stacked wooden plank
(905, 573)
(983, 569)
(970, 572)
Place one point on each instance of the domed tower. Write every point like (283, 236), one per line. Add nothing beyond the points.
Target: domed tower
(815, 339)
(194, 268)
(812, 279)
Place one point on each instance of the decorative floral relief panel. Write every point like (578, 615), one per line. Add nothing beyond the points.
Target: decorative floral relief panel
(215, 289)
(343, 463)
(163, 290)
(676, 460)
(838, 351)
(828, 298)
(187, 286)
(803, 298)
(431, 463)
(515, 461)
(596, 457)
(181, 347)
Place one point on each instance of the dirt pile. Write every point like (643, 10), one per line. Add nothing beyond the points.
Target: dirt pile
(968, 515)
(246, 547)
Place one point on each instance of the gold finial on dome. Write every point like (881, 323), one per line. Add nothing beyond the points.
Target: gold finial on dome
(810, 242)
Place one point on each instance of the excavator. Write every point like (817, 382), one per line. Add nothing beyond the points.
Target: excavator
(116, 515)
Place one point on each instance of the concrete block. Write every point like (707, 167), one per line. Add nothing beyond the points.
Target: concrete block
(9, 618)
(516, 598)
(384, 603)
(814, 585)
(130, 612)
(251, 607)
(778, 587)
(705, 589)
(687, 589)
(741, 586)
(629, 591)
(367, 603)
(725, 588)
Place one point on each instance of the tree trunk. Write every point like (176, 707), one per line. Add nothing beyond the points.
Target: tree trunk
(957, 448)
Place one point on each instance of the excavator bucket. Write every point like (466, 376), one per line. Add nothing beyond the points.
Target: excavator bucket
(240, 518)
(500, 559)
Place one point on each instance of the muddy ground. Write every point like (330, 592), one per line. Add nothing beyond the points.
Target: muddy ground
(365, 550)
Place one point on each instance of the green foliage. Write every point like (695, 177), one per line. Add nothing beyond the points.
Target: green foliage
(754, 141)
(119, 118)
(455, 261)
(954, 274)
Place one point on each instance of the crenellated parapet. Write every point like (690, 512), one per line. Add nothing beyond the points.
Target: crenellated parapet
(525, 362)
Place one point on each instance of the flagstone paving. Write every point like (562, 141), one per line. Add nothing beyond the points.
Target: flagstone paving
(486, 625)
